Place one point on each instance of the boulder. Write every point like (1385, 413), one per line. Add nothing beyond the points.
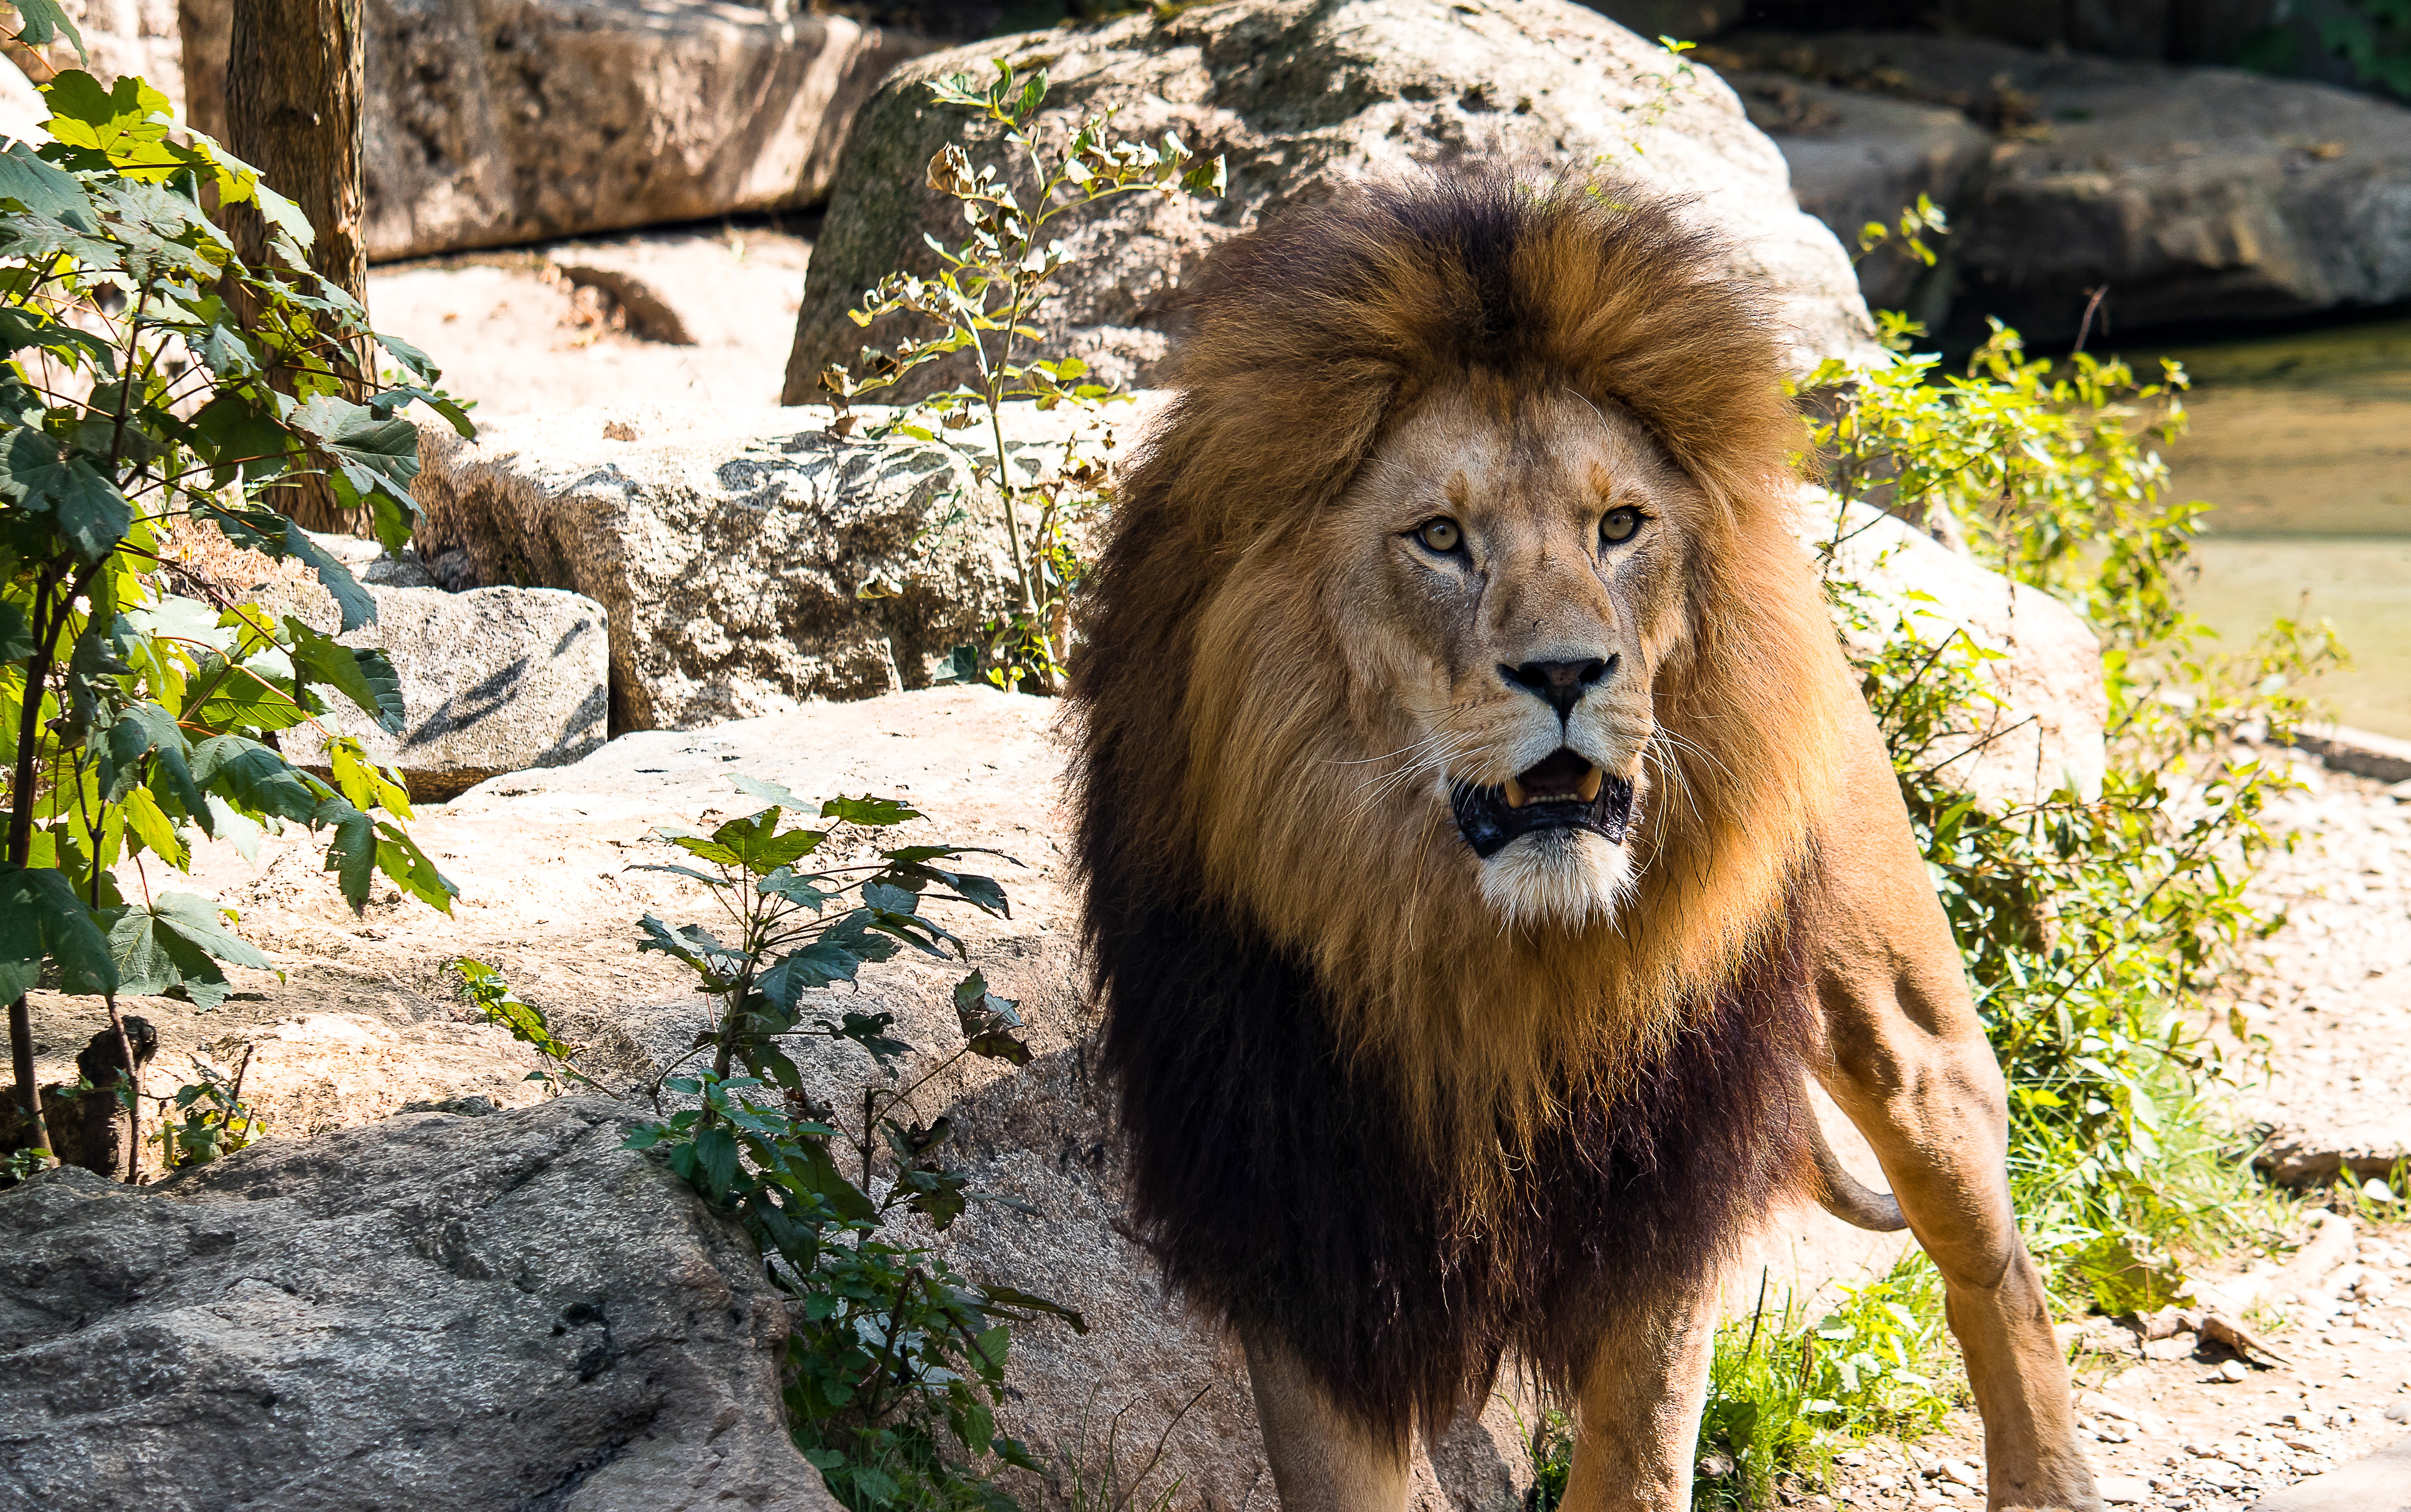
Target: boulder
(543, 860)
(1304, 98)
(747, 559)
(494, 680)
(494, 121)
(2046, 728)
(430, 1311)
(2189, 194)
(1859, 158)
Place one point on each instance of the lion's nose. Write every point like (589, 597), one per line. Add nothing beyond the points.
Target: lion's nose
(1560, 684)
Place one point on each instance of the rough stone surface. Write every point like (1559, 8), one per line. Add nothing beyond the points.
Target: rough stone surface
(1303, 97)
(731, 549)
(2048, 728)
(494, 680)
(2191, 194)
(431, 1311)
(2380, 1482)
(493, 122)
(542, 859)
(1857, 158)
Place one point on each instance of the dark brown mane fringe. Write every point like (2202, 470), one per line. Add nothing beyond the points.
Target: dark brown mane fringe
(1271, 1165)
(1278, 1191)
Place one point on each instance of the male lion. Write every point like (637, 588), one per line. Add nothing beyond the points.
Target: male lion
(1483, 840)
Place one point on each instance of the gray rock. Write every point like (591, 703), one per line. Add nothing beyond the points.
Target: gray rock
(2380, 1482)
(1858, 157)
(732, 549)
(433, 1310)
(2048, 727)
(2189, 193)
(493, 122)
(1303, 97)
(498, 679)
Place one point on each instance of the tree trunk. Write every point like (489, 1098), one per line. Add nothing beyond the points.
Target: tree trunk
(295, 76)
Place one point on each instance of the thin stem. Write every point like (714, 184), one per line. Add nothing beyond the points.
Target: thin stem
(133, 1092)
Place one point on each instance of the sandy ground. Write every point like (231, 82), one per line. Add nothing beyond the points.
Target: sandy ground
(513, 332)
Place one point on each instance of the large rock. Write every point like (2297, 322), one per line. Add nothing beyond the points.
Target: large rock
(492, 122)
(433, 1310)
(2188, 194)
(1858, 158)
(745, 556)
(494, 680)
(1303, 97)
(2046, 728)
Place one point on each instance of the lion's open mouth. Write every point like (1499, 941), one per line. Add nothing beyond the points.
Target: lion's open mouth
(1562, 791)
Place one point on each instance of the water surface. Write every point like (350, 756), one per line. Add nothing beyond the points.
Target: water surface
(2303, 440)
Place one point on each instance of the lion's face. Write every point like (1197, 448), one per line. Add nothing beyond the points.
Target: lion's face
(1513, 574)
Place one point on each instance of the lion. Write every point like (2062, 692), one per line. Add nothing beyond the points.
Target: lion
(1483, 840)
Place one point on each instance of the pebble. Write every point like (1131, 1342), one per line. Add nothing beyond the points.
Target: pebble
(2375, 1190)
(2121, 1490)
(2234, 1370)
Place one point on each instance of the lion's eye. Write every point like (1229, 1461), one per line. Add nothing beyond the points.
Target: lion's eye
(1442, 534)
(1620, 525)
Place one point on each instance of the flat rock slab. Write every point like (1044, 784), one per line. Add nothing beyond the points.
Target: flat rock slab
(493, 122)
(748, 561)
(433, 1310)
(494, 680)
(2194, 194)
(2379, 1483)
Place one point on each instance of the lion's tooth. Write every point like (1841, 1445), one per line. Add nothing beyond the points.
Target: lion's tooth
(1515, 798)
(1589, 791)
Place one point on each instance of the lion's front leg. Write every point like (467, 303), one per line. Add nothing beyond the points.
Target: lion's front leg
(1322, 1460)
(1640, 1406)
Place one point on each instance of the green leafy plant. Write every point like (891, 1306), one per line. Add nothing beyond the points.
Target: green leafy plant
(2094, 926)
(896, 1362)
(984, 302)
(2374, 37)
(135, 403)
(1094, 1478)
(207, 1120)
(493, 996)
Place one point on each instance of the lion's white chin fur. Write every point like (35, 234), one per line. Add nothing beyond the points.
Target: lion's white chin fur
(1569, 878)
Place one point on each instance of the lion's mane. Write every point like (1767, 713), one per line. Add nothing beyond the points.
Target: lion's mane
(1362, 1116)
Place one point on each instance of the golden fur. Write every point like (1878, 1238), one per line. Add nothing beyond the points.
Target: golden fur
(1304, 430)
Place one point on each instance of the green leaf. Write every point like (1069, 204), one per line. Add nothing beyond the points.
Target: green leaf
(877, 813)
(43, 188)
(178, 941)
(252, 778)
(39, 20)
(373, 453)
(755, 843)
(988, 1021)
(715, 1150)
(42, 918)
(408, 867)
(15, 634)
(89, 511)
(149, 824)
(351, 850)
(365, 676)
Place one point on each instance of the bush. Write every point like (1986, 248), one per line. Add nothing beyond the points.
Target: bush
(136, 403)
(2093, 925)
